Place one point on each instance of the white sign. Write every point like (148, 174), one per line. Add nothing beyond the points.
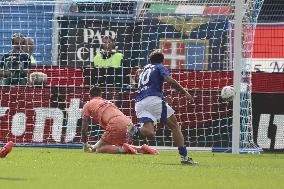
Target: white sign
(271, 65)
(92, 37)
(18, 127)
(262, 139)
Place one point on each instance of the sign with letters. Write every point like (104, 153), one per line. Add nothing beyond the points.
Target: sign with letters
(19, 119)
(80, 39)
(271, 65)
(268, 120)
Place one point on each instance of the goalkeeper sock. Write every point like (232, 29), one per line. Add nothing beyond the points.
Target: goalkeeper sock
(182, 151)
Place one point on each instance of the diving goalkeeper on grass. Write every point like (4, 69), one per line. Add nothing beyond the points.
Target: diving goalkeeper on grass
(115, 123)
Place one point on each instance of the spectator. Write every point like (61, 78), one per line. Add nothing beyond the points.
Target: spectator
(108, 57)
(15, 64)
(109, 68)
(28, 48)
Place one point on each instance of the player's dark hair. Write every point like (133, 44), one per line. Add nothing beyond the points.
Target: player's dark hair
(156, 57)
(95, 91)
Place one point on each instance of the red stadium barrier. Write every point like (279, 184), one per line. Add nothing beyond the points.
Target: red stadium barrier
(61, 76)
(193, 80)
(23, 107)
(64, 95)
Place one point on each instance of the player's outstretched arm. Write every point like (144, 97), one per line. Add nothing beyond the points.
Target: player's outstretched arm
(178, 87)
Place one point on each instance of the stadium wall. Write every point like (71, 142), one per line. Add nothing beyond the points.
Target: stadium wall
(27, 113)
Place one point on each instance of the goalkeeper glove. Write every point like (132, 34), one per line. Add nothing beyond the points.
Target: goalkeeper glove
(87, 147)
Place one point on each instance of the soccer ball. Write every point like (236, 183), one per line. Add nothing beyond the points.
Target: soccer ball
(228, 93)
(38, 78)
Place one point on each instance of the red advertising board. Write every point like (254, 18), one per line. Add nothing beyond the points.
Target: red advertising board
(269, 41)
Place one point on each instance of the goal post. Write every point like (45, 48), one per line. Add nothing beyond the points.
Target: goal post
(206, 44)
(246, 13)
(238, 60)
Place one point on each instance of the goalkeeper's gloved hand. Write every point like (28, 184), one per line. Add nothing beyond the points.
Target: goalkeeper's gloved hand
(87, 147)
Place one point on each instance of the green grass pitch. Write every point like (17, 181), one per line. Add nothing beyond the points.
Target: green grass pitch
(40, 168)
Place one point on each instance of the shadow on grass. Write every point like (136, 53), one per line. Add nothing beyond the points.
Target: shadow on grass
(12, 179)
(178, 164)
(171, 164)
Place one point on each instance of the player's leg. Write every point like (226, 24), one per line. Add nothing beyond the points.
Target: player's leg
(178, 138)
(105, 147)
(146, 111)
(114, 138)
(173, 125)
(125, 148)
(6, 149)
(148, 130)
(145, 149)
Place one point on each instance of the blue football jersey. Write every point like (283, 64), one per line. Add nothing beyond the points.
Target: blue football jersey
(151, 81)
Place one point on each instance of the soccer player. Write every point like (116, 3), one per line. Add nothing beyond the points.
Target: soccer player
(6, 149)
(151, 107)
(114, 139)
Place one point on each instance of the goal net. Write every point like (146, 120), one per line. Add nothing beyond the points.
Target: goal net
(196, 36)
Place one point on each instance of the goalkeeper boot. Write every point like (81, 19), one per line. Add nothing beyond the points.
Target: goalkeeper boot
(6, 149)
(188, 161)
(129, 149)
(147, 150)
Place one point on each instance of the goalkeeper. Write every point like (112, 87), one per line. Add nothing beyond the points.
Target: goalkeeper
(115, 123)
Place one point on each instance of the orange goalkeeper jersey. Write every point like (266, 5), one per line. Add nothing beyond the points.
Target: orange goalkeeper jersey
(101, 110)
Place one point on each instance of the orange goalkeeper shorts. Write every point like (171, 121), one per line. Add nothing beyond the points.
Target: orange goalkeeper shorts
(115, 133)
